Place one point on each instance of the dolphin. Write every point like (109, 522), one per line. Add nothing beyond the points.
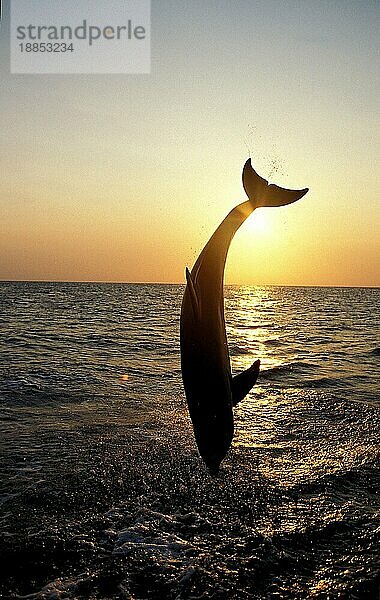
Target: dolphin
(210, 389)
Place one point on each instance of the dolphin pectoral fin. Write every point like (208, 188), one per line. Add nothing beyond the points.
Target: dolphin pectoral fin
(193, 293)
(244, 382)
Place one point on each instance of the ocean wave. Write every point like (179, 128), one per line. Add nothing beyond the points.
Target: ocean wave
(257, 326)
(294, 368)
(159, 535)
(339, 327)
(339, 382)
(274, 342)
(322, 382)
(236, 350)
(375, 351)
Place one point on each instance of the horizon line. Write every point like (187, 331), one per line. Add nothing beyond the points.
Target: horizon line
(295, 285)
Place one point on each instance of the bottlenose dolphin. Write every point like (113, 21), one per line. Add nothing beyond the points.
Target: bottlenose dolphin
(210, 389)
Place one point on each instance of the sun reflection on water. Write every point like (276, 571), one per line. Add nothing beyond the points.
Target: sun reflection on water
(281, 421)
(254, 328)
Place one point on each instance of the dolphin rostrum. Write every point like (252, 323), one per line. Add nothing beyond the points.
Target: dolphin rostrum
(210, 389)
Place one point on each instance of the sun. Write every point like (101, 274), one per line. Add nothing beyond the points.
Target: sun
(258, 222)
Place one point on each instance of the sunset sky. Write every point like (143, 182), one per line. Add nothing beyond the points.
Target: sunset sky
(125, 177)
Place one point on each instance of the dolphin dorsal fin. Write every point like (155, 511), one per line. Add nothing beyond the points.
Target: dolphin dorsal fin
(244, 382)
(193, 293)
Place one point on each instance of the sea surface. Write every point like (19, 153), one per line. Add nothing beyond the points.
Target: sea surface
(103, 493)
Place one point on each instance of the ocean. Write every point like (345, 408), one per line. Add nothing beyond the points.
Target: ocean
(103, 493)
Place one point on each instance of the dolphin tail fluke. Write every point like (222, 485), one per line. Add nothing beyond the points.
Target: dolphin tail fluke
(262, 194)
(277, 196)
(244, 382)
(253, 184)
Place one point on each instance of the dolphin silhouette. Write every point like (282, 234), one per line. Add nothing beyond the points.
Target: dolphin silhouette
(211, 391)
